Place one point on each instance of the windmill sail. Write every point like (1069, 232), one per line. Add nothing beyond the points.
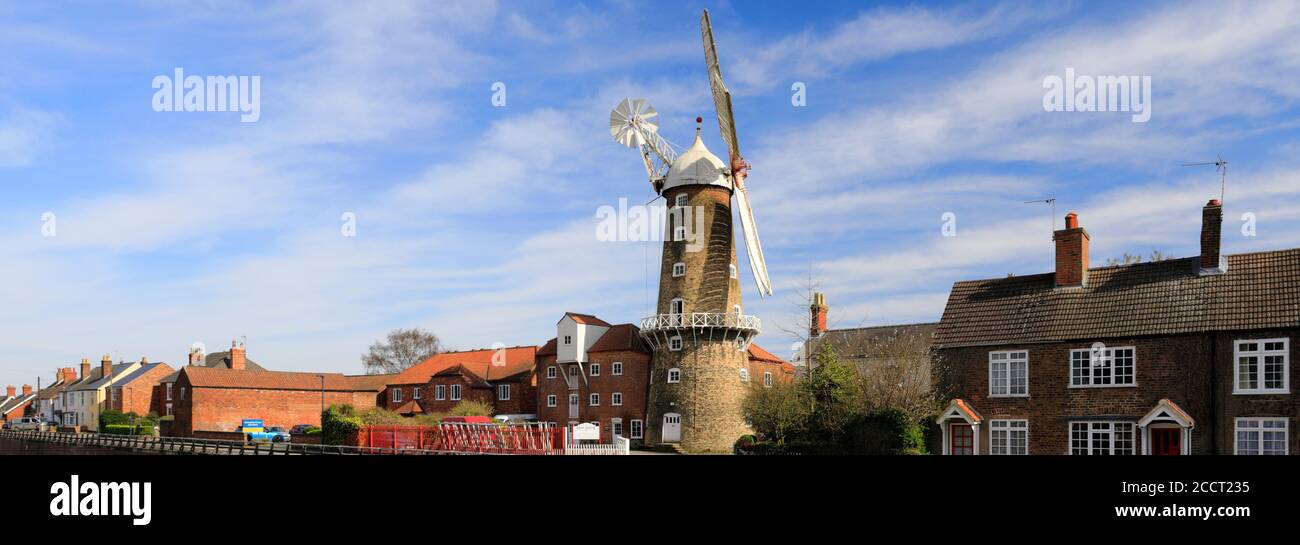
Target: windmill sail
(727, 127)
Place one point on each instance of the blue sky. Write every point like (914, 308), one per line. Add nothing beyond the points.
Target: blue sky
(478, 222)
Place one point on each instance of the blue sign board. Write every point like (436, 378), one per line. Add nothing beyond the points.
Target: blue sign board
(252, 423)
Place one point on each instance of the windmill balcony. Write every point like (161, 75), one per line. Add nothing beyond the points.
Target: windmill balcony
(658, 329)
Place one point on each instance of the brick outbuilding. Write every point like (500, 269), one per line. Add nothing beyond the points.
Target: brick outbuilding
(218, 400)
(501, 377)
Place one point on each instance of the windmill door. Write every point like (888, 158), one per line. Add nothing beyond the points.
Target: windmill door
(672, 431)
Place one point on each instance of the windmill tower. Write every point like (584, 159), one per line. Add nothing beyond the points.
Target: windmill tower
(699, 333)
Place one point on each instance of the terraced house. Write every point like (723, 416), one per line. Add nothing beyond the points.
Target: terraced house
(1183, 356)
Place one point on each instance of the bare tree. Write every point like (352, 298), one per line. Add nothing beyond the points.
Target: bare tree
(404, 348)
(1130, 259)
(895, 372)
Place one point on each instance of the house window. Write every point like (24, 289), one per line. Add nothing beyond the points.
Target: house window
(1008, 437)
(440, 392)
(169, 392)
(636, 429)
(674, 375)
(732, 268)
(675, 343)
(550, 372)
(682, 199)
(616, 368)
(573, 372)
(767, 379)
(397, 395)
(503, 392)
(744, 375)
(1261, 436)
(1009, 373)
(616, 399)
(455, 392)
(550, 400)
(1262, 367)
(1108, 367)
(594, 400)
(568, 339)
(415, 392)
(1104, 438)
(595, 369)
(616, 426)
(169, 409)
(83, 395)
(679, 269)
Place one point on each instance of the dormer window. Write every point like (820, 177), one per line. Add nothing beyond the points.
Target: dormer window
(679, 269)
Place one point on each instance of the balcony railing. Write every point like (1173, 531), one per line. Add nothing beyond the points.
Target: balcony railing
(701, 320)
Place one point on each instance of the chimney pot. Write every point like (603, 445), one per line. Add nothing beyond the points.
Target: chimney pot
(817, 316)
(1071, 253)
(10, 390)
(27, 390)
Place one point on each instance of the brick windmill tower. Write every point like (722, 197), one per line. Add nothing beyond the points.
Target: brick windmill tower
(700, 333)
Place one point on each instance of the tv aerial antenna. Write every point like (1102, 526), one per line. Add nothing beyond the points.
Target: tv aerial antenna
(1222, 167)
(1050, 201)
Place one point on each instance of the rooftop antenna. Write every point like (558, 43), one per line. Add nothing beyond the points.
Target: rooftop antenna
(1219, 165)
(1052, 202)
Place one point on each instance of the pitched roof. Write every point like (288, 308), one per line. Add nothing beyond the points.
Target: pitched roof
(209, 377)
(49, 392)
(856, 342)
(410, 407)
(120, 369)
(620, 337)
(15, 402)
(216, 360)
(1259, 291)
(757, 353)
(139, 372)
(517, 359)
(86, 383)
(547, 349)
(587, 319)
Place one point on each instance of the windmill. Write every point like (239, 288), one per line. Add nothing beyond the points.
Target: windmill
(632, 124)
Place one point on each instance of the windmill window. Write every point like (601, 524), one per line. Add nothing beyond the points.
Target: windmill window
(744, 376)
(616, 368)
(676, 306)
(568, 339)
(679, 269)
(682, 199)
(675, 343)
(674, 375)
(732, 267)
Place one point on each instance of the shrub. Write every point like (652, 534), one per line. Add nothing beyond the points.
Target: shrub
(339, 425)
(112, 417)
(744, 445)
(127, 429)
(471, 408)
(312, 430)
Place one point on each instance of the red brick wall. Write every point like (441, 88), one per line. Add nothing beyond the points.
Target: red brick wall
(634, 384)
(139, 395)
(223, 409)
(523, 395)
(1232, 406)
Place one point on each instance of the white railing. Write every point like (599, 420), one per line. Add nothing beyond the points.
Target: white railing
(727, 320)
(620, 447)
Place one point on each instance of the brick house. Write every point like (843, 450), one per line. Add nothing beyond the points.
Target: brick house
(85, 399)
(1184, 356)
(15, 404)
(138, 391)
(596, 372)
(211, 399)
(45, 405)
(502, 378)
(236, 358)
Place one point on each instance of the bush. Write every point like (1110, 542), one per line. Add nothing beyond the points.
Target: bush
(127, 429)
(312, 430)
(471, 408)
(744, 445)
(111, 417)
(339, 425)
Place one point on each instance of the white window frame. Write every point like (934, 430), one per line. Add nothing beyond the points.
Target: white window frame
(593, 400)
(1259, 429)
(616, 399)
(455, 392)
(568, 340)
(636, 429)
(550, 371)
(767, 379)
(1093, 430)
(415, 393)
(1260, 354)
(1001, 433)
(551, 400)
(1011, 357)
(616, 368)
(679, 269)
(675, 343)
(593, 369)
(169, 393)
(503, 392)
(677, 306)
(616, 426)
(682, 200)
(732, 269)
(744, 375)
(1092, 376)
(440, 392)
(397, 395)
(674, 375)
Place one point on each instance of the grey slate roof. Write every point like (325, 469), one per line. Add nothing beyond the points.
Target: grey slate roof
(857, 342)
(138, 372)
(14, 402)
(1260, 291)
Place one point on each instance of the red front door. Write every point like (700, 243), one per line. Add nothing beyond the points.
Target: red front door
(961, 439)
(1166, 441)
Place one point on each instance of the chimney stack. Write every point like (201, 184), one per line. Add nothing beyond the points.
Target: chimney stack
(196, 356)
(817, 316)
(27, 390)
(85, 368)
(1071, 253)
(1212, 260)
(237, 356)
(106, 367)
(69, 374)
(10, 390)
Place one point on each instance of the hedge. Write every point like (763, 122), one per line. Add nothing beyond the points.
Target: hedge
(127, 429)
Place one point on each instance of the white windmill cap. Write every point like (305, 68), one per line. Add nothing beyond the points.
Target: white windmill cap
(697, 166)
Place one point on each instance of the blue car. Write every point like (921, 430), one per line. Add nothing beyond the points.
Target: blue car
(273, 434)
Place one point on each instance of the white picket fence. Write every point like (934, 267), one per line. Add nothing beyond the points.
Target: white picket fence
(619, 447)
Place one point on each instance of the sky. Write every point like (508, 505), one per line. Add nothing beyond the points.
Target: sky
(136, 233)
